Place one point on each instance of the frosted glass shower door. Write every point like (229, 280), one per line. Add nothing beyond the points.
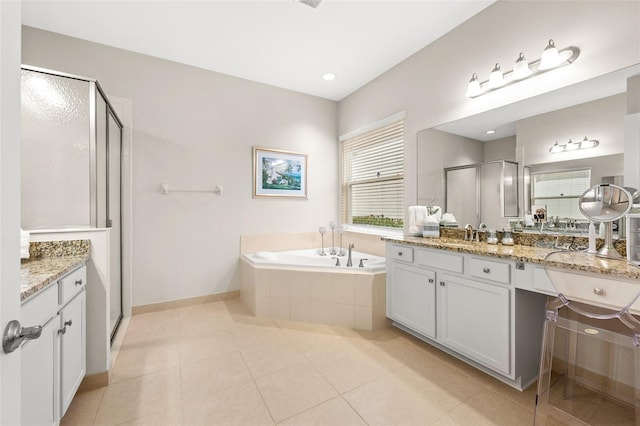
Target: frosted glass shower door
(55, 151)
(462, 195)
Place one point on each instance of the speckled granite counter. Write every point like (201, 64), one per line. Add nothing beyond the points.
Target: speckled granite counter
(48, 262)
(577, 261)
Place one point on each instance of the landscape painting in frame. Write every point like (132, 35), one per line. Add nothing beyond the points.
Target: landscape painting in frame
(279, 173)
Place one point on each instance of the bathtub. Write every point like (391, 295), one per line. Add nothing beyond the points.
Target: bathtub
(301, 285)
(310, 259)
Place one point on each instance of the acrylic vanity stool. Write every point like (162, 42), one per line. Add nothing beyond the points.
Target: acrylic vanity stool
(590, 360)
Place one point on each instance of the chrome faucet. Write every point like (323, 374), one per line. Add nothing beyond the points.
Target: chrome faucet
(349, 264)
(468, 232)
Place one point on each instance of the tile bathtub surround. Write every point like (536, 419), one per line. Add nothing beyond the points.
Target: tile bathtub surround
(366, 243)
(217, 364)
(345, 299)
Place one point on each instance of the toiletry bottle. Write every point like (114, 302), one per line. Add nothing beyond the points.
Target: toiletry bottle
(592, 238)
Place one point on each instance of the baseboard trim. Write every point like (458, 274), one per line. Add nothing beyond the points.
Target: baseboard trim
(163, 306)
(94, 381)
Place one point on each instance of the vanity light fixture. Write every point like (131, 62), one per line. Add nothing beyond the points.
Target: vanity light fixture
(551, 58)
(586, 143)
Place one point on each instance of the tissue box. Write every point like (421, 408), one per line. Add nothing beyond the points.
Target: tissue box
(431, 230)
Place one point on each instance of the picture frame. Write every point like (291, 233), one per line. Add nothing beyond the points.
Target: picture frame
(278, 173)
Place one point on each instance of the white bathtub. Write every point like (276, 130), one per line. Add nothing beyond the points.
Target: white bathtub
(301, 285)
(311, 258)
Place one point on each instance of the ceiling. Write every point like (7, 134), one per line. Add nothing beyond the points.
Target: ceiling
(283, 43)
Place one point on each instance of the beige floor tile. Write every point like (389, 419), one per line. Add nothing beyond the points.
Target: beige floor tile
(610, 414)
(526, 398)
(294, 390)
(153, 394)
(195, 348)
(336, 411)
(83, 408)
(208, 376)
(269, 357)
(390, 401)
(440, 384)
(490, 408)
(446, 421)
(154, 420)
(247, 335)
(135, 360)
(239, 405)
(348, 368)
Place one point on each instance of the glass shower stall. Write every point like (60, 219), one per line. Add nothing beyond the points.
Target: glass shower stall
(71, 163)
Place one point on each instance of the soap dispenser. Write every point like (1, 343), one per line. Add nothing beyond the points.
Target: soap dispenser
(507, 237)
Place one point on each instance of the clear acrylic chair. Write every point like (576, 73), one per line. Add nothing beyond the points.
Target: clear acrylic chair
(590, 363)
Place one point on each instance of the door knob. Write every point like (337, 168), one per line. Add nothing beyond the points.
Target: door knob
(14, 335)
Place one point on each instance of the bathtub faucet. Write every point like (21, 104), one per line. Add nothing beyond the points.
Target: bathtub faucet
(349, 264)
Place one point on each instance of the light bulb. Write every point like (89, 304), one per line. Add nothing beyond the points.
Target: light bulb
(550, 57)
(588, 143)
(556, 148)
(473, 89)
(521, 68)
(570, 146)
(496, 78)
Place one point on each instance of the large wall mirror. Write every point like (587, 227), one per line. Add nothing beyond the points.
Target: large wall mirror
(549, 183)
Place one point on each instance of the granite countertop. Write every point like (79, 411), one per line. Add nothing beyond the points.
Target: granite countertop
(573, 260)
(48, 262)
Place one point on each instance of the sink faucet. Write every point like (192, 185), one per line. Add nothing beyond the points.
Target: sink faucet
(468, 232)
(349, 264)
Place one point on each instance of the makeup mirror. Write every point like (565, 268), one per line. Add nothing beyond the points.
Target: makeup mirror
(605, 203)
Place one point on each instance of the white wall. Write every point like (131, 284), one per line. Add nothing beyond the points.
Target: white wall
(500, 149)
(194, 129)
(602, 120)
(430, 85)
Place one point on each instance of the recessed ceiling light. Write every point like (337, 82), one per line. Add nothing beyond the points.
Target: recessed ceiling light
(490, 132)
(328, 76)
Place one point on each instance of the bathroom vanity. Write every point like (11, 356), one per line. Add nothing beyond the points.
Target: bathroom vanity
(485, 304)
(53, 296)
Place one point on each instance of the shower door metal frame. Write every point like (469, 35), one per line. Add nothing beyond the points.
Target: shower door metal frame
(478, 166)
(94, 90)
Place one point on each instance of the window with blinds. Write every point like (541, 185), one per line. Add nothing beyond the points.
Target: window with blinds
(373, 176)
(560, 191)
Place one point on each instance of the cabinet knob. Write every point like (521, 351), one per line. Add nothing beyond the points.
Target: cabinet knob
(486, 270)
(442, 283)
(431, 280)
(399, 253)
(79, 282)
(598, 291)
(68, 323)
(63, 330)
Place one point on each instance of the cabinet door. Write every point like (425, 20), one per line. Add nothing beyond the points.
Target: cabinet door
(413, 299)
(473, 319)
(39, 377)
(72, 349)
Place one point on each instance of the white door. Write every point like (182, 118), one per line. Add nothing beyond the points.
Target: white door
(10, 21)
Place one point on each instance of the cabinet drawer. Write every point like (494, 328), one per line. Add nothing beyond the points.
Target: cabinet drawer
(609, 293)
(541, 281)
(40, 307)
(489, 270)
(440, 260)
(72, 284)
(402, 253)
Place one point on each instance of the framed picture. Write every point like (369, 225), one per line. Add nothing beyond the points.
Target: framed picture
(279, 173)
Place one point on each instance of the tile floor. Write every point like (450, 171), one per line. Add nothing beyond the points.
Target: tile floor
(216, 364)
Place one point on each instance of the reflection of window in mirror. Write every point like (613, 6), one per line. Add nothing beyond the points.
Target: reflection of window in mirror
(560, 191)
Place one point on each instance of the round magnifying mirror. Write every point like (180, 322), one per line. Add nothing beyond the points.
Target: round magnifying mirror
(605, 203)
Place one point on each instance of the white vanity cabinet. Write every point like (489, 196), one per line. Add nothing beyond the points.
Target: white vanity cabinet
(54, 364)
(474, 320)
(411, 300)
(467, 305)
(72, 339)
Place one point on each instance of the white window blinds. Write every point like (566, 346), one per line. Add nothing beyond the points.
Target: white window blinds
(373, 176)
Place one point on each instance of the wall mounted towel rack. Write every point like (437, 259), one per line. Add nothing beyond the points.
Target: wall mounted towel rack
(164, 189)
